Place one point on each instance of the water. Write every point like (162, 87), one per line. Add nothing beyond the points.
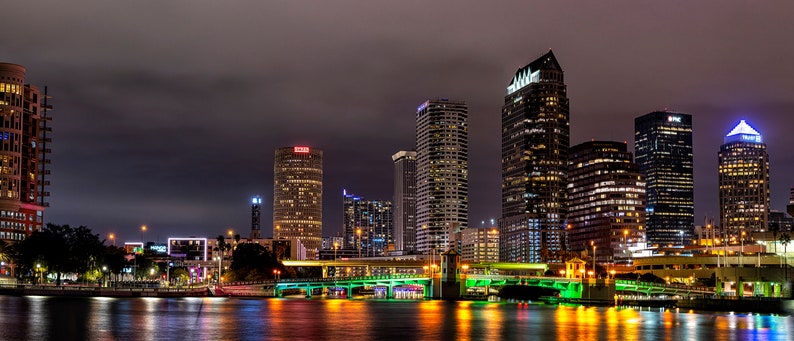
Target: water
(41, 318)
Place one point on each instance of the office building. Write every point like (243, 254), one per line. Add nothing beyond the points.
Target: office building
(663, 149)
(367, 225)
(743, 182)
(405, 201)
(790, 206)
(442, 185)
(480, 244)
(535, 141)
(298, 196)
(23, 161)
(606, 200)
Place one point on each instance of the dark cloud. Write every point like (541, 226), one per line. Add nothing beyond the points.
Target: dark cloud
(168, 113)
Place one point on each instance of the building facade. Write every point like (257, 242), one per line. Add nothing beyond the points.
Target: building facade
(663, 149)
(606, 200)
(405, 201)
(442, 180)
(743, 182)
(480, 244)
(256, 217)
(535, 141)
(23, 154)
(367, 225)
(298, 196)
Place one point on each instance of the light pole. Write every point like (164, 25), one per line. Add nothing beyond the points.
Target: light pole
(336, 245)
(143, 229)
(112, 239)
(592, 242)
(276, 274)
(358, 232)
(38, 270)
(626, 244)
(741, 250)
(104, 269)
(220, 268)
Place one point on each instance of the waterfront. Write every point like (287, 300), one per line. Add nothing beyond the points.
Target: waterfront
(84, 318)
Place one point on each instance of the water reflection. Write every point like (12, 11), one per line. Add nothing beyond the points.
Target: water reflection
(340, 319)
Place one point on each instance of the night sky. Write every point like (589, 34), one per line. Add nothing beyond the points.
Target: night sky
(167, 113)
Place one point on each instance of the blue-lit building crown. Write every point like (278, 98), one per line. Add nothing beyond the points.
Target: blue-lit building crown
(743, 132)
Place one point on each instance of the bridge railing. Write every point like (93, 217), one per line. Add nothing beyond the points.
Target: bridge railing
(349, 278)
(664, 285)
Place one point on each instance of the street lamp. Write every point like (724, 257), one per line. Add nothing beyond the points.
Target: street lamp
(336, 246)
(562, 273)
(358, 232)
(143, 229)
(276, 274)
(626, 244)
(112, 238)
(38, 270)
(104, 268)
(592, 242)
(741, 254)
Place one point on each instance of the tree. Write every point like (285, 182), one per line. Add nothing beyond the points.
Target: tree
(7, 253)
(785, 239)
(775, 228)
(252, 261)
(60, 249)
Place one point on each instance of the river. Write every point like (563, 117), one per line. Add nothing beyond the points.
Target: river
(65, 318)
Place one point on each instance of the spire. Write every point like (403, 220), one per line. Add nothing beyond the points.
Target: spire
(531, 72)
(743, 132)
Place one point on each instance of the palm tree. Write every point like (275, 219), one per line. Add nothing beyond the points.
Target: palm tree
(7, 253)
(785, 238)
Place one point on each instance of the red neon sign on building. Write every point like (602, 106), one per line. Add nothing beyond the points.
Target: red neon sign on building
(302, 150)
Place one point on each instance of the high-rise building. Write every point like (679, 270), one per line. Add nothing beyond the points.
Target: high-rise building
(23, 154)
(743, 182)
(535, 141)
(663, 149)
(442, 181)
(298, 196)
(790, 206)
(480, 244)
(606, 200)
(256, 217)
(367, 225)
(405, 201)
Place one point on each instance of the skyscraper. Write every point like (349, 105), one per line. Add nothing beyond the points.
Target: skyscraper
(535, 141)
(606, 200)
(256, 217)
(367, 225)
(663, 149)
(23, 162)
(442, 181)
(790, 206)
(298, 196)
(405, 201)
(743, 182)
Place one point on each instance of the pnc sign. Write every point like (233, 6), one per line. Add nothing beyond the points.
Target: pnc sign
(302, 150)
(675, 119)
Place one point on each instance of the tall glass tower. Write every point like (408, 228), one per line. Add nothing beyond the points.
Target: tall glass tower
(405, 200)
(535, 141)
(442, 180)
(663, 148)
(744, 182)
(298, 196)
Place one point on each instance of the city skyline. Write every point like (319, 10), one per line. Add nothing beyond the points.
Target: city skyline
(177, 133)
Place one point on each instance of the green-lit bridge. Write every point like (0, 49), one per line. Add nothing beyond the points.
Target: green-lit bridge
(567, 287)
